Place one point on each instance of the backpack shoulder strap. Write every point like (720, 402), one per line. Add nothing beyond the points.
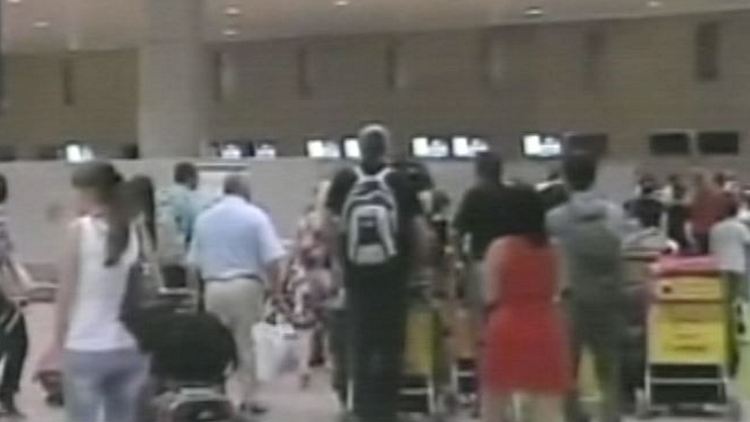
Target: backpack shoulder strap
(379, 177)
(359, 173)
(383, 174)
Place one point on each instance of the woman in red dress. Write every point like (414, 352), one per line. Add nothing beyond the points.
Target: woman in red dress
(526, 349)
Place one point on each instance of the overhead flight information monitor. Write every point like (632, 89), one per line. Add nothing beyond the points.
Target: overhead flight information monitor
(234, 149)
(231, 151)
(426, 147)
(670, 143)
(351, 148)
(266, 150)
(323, 148)
(468, 147)
(76, 152)
(541, 146)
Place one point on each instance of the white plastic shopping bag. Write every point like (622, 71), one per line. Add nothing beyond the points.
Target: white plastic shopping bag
(274, 350)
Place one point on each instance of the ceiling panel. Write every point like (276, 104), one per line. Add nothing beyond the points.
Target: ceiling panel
(108, 24)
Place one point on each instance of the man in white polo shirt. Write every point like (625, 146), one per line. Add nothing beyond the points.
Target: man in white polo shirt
(236, 251)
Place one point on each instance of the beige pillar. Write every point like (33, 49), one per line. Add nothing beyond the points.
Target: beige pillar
(174, 85)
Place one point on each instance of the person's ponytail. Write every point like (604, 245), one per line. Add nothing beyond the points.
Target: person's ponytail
(108, 187)
(118, 220)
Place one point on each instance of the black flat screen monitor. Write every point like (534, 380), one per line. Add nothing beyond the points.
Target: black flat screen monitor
(468, 146)
(129, 152)
(231, 151)
(669, 143)
(595, 144)
(351, 148)
(235, 149)
(8, 153)
(265, 150)
(541, 146)
(323, 148)
(719, 143)
(77, 152)
(430, 147)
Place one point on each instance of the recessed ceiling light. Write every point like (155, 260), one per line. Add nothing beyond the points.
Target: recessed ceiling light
(14, 1)
(533, 12)
(655, 3)
(232, 11)
(41, 24)
(341, 3)
(230, 32)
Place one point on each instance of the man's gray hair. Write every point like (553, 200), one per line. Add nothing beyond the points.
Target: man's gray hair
(237, 185)
(375, 130)
(374, 142)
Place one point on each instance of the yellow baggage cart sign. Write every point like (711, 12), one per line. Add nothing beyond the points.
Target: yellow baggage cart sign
(688, 333)
(690, 288)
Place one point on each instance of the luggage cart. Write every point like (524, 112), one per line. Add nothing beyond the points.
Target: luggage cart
(419, 393)
(688, 347)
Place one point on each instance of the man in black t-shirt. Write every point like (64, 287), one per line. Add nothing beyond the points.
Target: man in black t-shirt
(379, 219)
(481, 218)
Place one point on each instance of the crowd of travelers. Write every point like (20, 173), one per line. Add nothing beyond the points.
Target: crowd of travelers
(543, 264)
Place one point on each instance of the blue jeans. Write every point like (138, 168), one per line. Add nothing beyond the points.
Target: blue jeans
(107, 382)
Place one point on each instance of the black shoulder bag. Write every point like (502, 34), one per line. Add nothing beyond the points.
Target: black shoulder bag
(141, 301)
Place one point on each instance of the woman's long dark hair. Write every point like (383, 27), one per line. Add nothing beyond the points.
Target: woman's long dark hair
(106, 184)
(143, 201)
(527, 215)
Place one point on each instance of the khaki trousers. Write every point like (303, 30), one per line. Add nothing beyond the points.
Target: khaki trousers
(238, 304)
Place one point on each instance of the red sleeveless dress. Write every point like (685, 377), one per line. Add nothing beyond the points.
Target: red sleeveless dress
(525, 338)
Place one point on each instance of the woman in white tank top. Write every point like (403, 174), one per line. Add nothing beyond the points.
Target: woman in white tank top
(103, 369)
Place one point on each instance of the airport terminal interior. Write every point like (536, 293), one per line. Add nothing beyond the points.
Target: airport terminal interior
(374, 210)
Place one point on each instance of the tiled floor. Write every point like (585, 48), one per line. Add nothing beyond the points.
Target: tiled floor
(286, 401)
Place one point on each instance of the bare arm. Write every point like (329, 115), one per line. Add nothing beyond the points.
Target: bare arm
(21, 277)
(563, 280)
(275, 273)
(460, 226)
(192, 265)
(68, 287)
(331, 234)
(331, 239)
(490, 267)
(424, 238)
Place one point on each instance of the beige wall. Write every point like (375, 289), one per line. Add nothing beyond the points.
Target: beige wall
(497, 83)
(103, 86)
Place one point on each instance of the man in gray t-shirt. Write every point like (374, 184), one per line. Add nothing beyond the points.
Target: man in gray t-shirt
(589, 231)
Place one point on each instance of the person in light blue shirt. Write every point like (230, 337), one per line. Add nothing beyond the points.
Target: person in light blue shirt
(182, 198)
(236, 250)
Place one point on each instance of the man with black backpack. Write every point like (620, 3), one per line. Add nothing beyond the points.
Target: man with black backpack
(590, 230)
(379, 222)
